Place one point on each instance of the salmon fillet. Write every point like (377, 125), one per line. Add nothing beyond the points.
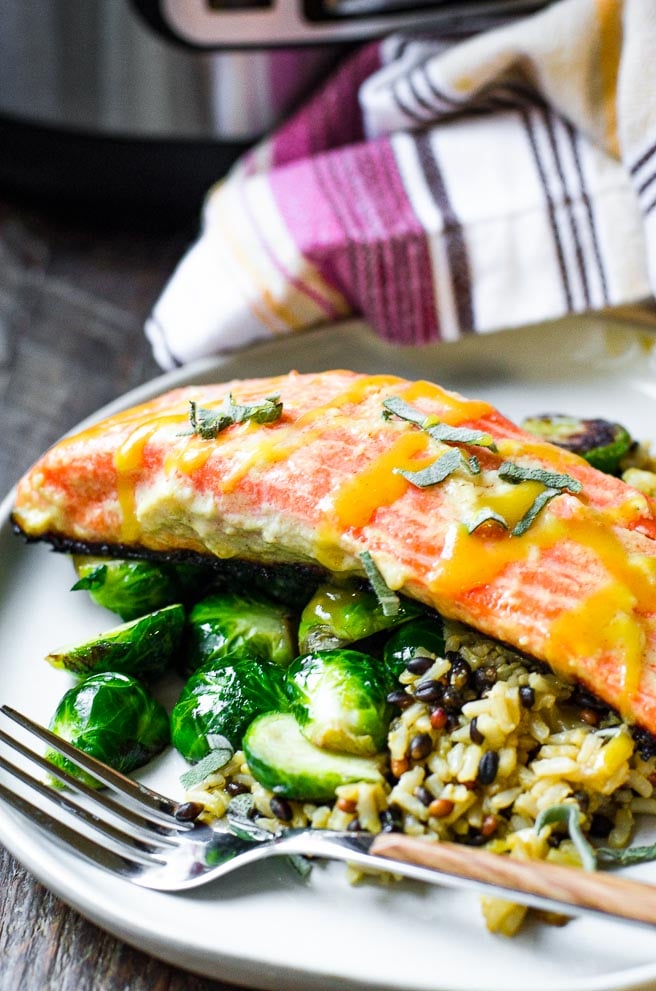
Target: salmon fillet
(341, 471)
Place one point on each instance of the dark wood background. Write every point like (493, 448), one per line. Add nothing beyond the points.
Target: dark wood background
(73, 296)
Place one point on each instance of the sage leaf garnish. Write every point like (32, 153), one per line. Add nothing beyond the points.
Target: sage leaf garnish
(208, 423)
(534, 509)
(394, 406)
(570, 815)
(387, 599)
(436, 472)
(460, 435)
(625, 858)
(214, 761)
(511, 472)
(486, 516)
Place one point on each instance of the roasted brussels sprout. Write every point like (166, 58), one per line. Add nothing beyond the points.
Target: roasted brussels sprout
(339, 698)
(419, 636)
(339, 615)
(282, 760)
(602, 443)
(221, 699)
(143, 648)
(112, 717)
(224, 624)
(134, 588)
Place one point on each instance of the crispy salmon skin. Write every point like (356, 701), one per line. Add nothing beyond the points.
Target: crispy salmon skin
(455, 505)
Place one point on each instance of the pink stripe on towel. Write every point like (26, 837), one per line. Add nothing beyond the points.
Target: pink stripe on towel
(350, 215)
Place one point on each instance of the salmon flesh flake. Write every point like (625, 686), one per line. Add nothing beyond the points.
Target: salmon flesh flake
(566, 575)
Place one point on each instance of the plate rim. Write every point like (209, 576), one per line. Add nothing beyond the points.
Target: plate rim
(236, 968)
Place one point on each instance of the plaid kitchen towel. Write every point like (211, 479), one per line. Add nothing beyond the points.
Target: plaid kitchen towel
(439, 187)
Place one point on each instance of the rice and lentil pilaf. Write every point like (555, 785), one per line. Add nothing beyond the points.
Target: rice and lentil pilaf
(484, 740)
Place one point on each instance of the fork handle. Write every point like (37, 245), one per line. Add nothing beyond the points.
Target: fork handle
(606, 893)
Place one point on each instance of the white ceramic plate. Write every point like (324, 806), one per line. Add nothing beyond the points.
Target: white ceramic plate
(265, 927)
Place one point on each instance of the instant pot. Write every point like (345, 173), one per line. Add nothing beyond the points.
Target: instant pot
(148, 102)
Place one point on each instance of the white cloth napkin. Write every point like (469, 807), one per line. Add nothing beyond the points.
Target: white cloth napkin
(439, 187)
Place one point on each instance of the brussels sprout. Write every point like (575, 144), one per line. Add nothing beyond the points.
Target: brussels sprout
(339, 698)
(282, 760)
(220, 700)
(112, 717)
(419, 635)
(602, 443)
(134, 588)
(143, 647)
(224, 624)
(338, 615)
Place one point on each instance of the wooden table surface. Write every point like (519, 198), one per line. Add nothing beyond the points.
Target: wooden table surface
(73, 297)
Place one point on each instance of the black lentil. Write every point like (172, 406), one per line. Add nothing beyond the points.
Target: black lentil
(424, 795)
(429, 691)
(188, 811)
(236, 788)
(483, 679)
(420, 663)
(488, 767)
(527, 696)
(420, 746)
(400, 699)
(452, 699)
(281, 809)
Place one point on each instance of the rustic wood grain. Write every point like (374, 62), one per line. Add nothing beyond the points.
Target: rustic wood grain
(73, 296)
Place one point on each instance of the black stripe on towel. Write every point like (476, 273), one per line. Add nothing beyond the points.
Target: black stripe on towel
(530, 133)
(456, 247)
(550, 125)
(587, 203)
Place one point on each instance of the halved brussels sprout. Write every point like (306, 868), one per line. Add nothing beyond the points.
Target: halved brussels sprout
(134, 588)
(224, 624)
(111, 717)
(282, 760)
(220, 700)
(602, 443)
(339, 698)
(425, 634)
(339, 615)
(143, 648)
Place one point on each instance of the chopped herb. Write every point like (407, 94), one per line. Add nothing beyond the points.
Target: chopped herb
(389, 600)
(210, 422)
(486, 516)
(208, 765)
(240, 806)
(460, 435)
(438, 431)
(398, 407)
(473, 464)
(436, 472)
(624, 858)
(534, 509)
(511, 472)
(570, 815)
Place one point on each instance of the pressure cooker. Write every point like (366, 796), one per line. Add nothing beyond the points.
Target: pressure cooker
(150, 101)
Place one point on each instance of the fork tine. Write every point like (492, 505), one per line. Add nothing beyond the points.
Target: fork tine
(123, 812)
(127, 842)
(103, 856)
(131, 790)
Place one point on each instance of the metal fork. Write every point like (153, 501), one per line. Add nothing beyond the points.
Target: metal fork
(150, 840)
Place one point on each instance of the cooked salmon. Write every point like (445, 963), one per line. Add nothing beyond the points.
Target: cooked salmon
(455, 505)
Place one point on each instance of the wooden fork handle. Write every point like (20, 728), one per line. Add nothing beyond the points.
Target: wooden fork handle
(595, 890)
